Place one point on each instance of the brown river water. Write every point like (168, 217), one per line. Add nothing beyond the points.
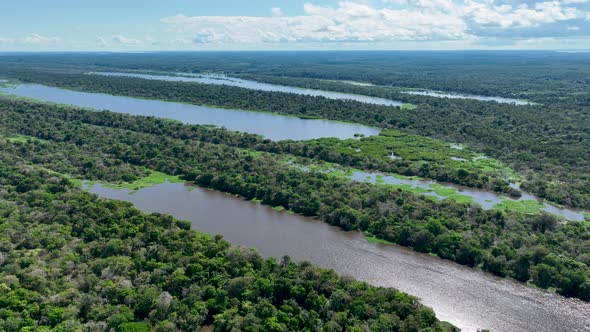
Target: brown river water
(467, 298)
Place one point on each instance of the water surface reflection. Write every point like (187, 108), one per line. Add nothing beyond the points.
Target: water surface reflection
(465, 297)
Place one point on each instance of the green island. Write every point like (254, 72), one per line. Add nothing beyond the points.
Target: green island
(517, 139)
(116, 148)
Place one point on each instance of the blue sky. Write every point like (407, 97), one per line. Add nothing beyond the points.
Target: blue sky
(144, 25)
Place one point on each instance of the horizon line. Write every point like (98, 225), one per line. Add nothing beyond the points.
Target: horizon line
(309, 50)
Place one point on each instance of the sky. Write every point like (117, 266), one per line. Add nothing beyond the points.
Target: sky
(198, 25)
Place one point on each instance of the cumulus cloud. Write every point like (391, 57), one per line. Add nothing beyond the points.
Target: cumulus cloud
(32, 39)
(397, 20)
(508, 16)
(126, 41)
(349, 22)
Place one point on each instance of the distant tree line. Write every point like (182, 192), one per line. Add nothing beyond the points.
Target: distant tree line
(72, 262)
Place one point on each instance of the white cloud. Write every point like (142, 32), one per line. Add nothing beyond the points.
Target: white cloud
(32, 39)
(349, 22)
(276, 11)
(507, 16)
(399, 20)
(126, 41)
(572, 2)
(35, 39)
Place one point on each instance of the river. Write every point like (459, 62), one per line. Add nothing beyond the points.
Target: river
(248, 84)
(442, 94)
(220, 79)
(272, 126)
(468, 298)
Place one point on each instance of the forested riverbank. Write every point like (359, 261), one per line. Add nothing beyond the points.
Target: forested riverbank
(539, 248)
(72, 261)
(548, 145)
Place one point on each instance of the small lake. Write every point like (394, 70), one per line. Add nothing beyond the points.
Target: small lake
(442, 94)
(272, 126)
(468, 298)
(248, 84)
(486, 199)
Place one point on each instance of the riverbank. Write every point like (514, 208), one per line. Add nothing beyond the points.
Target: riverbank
(468, 298)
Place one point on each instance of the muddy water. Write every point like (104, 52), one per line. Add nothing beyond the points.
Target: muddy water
(465, 297)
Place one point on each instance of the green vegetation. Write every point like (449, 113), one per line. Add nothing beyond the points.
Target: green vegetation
(414, 155)
(547, 142)
(529, 207)
(442, 190)
(373, 239)
(462, 199)
(110, 147)
(408, 106)
(19, 138)
(134, 327)
(73, 262)
(150, 180)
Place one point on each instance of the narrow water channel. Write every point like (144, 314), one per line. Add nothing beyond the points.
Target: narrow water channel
(442, 94)
(248, 84)
(468, 298)
(219, 79)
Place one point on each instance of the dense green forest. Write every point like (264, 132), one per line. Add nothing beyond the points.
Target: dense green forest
(546, 143)
(70, 261)
(110, 147)
(522, 74)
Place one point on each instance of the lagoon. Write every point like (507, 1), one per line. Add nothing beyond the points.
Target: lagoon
(270, 125)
